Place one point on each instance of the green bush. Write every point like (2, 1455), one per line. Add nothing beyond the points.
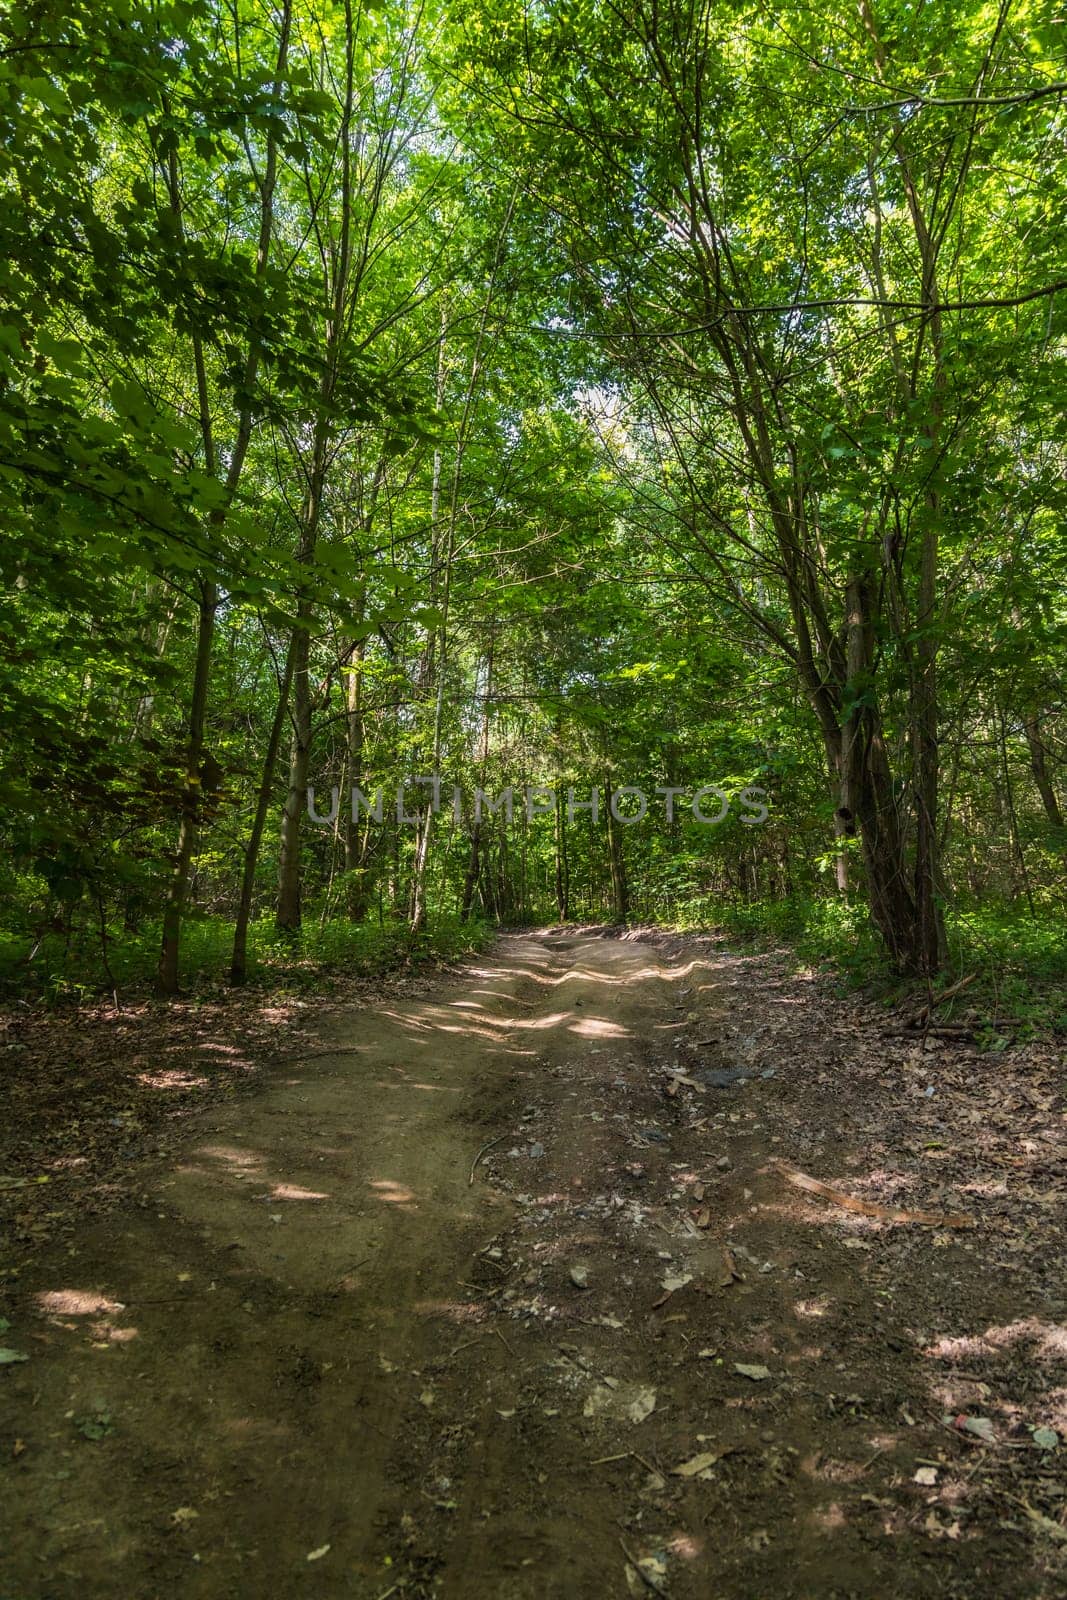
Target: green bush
(60, 971)
(1019, 961)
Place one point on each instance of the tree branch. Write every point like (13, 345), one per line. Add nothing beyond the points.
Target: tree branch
(785, 308)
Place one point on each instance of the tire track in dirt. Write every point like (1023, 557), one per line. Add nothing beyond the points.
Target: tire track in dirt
(238, 1349)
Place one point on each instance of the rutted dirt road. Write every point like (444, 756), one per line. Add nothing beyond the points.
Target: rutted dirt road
(324, 1362)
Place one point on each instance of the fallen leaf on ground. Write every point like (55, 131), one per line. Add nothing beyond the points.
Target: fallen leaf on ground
(317, 1555)
(756, 1373)
(729, 1273)
(941, 1530)
(628, 1402)
(980, 1427)
(676, 1281)
(696, 1464)
(1045, 1524)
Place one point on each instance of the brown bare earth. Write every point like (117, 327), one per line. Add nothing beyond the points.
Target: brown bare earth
(514, 1290)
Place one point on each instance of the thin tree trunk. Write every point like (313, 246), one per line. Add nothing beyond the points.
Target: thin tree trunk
(1039, 768)
(174, 908)
(435, 659)
(473, 862)
(563, 874)
(616, 859)
(239, 956)
(288, 912)
(337, 264)
(1009, 795)
(356, 898)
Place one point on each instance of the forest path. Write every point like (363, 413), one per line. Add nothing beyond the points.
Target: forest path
(322, 1362)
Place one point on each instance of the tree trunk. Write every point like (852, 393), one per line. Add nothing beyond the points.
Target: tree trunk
(1039, 768)
(868, 802)
(929, 943)
(431, 664)
(356, 895)
(336, 252)
(471, 879)
(288, 913)
(239, 955)
(357, 847)
(1013, 819)
(620, 900)
(424, 833)
(167, 972)
(563, 873)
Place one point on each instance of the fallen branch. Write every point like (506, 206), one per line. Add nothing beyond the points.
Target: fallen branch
(921, 1018)
(641, 1573)
(960, 1031)
(466, 1345)
(315, 1055)
(484, 1151)
(626, 1455)
(868, 1208)
(508, 1347)
(1040, 1521)
(674, 1078)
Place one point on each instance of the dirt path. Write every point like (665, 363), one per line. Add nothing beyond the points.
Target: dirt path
(320, 1362)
